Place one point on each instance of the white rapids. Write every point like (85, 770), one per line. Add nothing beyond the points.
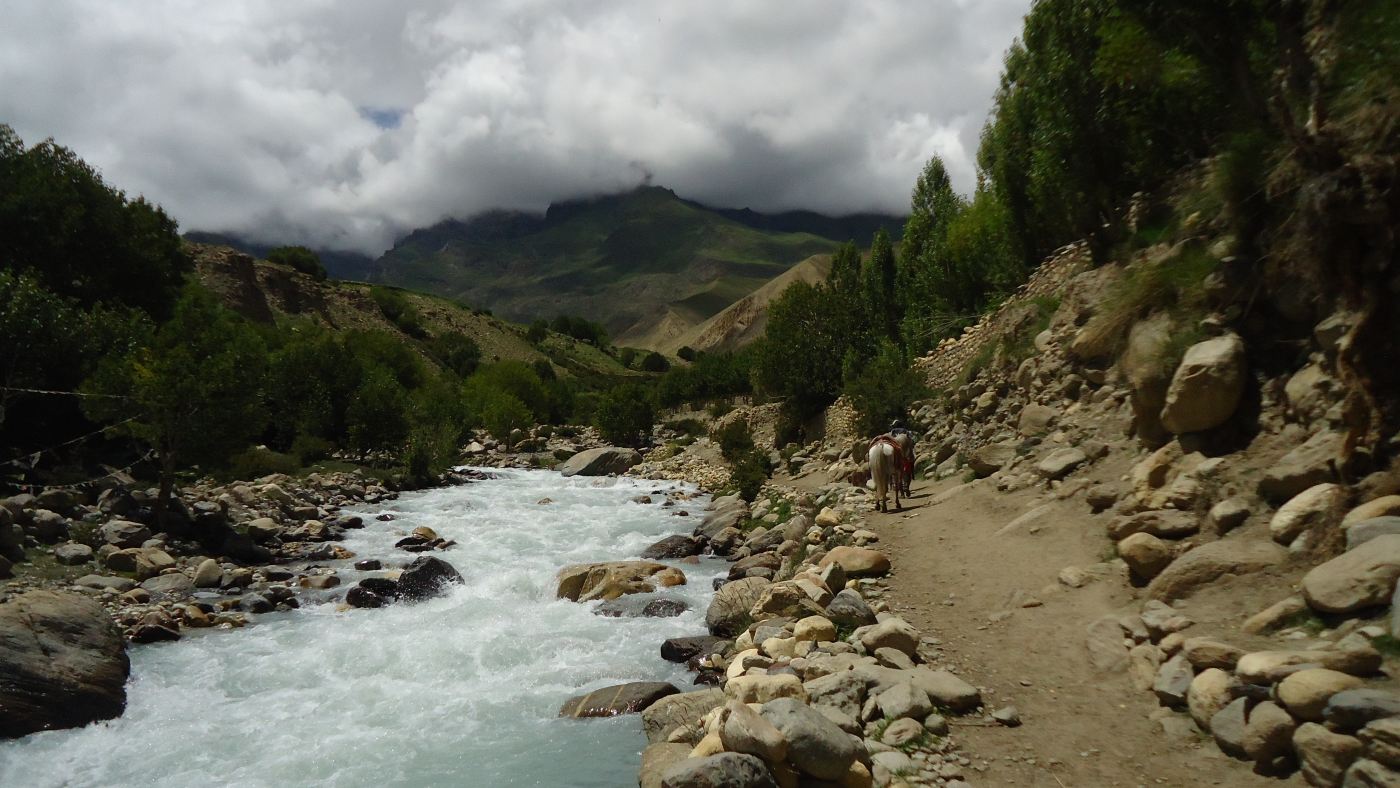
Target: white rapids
(461, 690)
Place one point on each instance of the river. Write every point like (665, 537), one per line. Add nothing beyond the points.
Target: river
(461, 690)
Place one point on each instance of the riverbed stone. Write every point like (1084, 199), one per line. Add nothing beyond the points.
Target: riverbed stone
(857, 561)
(609, 579)
(761, 689)
(1173, 681)
(170, 584)
(618, 699)
(816, 745)
(894, 632)
(657, 759)
(1382, 740)
(124, 533)
(1269, 733)
(1268, 667)
(63, 663)
(1208, 694)
(599, 462)
(848, 609)
(426, 577)
(1353, 709)
(1161, 523)
(1228, 727)
(724, 770)
(208, 574)
(1305, 693)
(728, 614)
(674, 546)
(741, 729)
(1384, 506)
(1209, 562)
(1362, 577)
(1309, 464)
(1206, 387)
(1324, 755)
(904, 700)
(72, 554)
(1366, 773)
(1145, 555)
(1363, 531)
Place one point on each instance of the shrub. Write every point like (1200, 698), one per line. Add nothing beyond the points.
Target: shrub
(749, 474)
(261, 461)
(456, 351)
(687, 353)
(883, 389)
(397, 310)
(311, 449)
(625, 415)
(734, 440)
(537, 332)
(502, 412)
(655, 362)
(299, 258)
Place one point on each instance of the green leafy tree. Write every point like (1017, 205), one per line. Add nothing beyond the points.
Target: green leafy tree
(625, 415)
(879, 283)
(299, 258)
(456, 351)
(882, 389)
(655, 362)
(537, 332)
(194, 395)
(79, 237)
(377, 417)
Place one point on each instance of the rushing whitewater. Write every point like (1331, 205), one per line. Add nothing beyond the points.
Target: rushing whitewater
(460, 690)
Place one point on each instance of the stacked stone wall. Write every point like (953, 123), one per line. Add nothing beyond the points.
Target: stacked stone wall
(946, 362)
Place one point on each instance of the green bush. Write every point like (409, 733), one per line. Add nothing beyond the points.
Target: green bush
(456, 352)
(300, 258)
(261, 461)
(749, 473)
(734, 440)
(502, 412)
(883, 389)
(625, 415)
(687, 353)
(655, 362)
(310, 449)
(398, 310)
(537, 332)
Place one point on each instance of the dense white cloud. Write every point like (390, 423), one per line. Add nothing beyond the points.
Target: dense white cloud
(345, 122)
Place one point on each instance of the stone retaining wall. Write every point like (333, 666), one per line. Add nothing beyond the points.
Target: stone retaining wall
(943, 364)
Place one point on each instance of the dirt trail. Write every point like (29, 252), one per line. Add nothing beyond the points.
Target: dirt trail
(959, 581)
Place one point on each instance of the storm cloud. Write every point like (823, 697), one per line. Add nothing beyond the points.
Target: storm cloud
(342, 123)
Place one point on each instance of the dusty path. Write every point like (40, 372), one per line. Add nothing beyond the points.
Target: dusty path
(1008, 626)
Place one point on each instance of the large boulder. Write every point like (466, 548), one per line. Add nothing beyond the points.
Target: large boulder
(1210, 562)
(599, 462)
(858, 561)
(617, 699)
(1207, 386)
(657, 759)
(987, 460)
(427, 577)
(125, 534)
(1359, 578)
(683, 648)
(1143, 366)
(725, 770)
(608, 579)
(1058, 463)
(682, 710)
(63, 663)
(1309, 464)
(675, 546)
(1313, 509)
(728, 614)
(848, 609)
(816, 746)
(1362, 531)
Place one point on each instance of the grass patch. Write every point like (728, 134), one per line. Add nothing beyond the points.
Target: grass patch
(1305, 620)
(1174, 282)
(1387, 645)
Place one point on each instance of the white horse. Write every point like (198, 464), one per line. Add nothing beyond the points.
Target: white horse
(886, 461)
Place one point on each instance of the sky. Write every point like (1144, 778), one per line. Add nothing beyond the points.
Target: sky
(345, 123)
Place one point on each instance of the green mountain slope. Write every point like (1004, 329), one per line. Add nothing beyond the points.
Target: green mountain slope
(619, 260)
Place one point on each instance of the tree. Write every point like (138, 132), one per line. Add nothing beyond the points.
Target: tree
(625, 415)
(655, 362)
(456, 351)
(377, 418)
(884, 388)
(194, 394)
(79, 237)
(799, 358)
(881, 302)
(537, 332)
(299, 258)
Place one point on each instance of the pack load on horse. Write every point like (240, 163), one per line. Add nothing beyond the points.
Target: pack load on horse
(886, 458)
(905, 439)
